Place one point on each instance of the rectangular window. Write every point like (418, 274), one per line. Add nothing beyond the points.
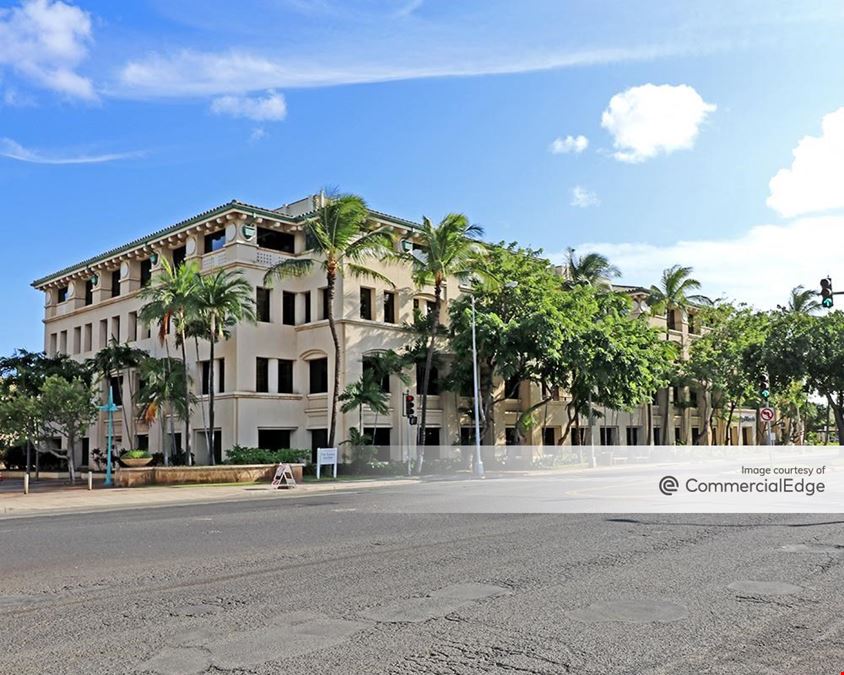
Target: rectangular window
(368, 365)
(696, 435)
(677, 440)
(219, 375)
(103, 334)
(215, 241)
(323, 310)
(432, 437)
(657, 436)
(693, 398)
(510, 436)
(262, 304)
(319, 439)
(115, 283)
(89, 292)
(389, 307)
(77, 339)
(86, 451)
(671, 318)
(366, 304)
(549, 437)
(607, 435)
(579, 436)
(675, 395)
(133, 326)
(275, 240)
(288, 308)
(115, 328)
(318, 376)
(285, 376)
(307, 299)
(433, 380)
(146, 272)
(63, 342)
(142, 441)
(467, 435)
(632, 435)
(511, 388)
(62, 295)
(262, 375)
(179, 255)
(116, 386)
(274, 439)
(54, 344)
(88, 337)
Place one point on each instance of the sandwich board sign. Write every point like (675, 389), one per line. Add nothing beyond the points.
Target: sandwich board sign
(283, 477)
(326, 456)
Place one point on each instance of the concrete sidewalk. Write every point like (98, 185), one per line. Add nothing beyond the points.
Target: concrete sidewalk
(78, 499)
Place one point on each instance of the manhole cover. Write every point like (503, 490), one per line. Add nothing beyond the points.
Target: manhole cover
(631, 611)
(764, 587)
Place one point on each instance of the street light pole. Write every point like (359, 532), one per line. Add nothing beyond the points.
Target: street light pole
(479, 464)
(110, 409)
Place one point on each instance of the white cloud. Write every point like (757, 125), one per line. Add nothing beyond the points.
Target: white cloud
(815, 181)
(271, 107)
(44, 41)
(13, 150)
(651, 119)
(258, 134)
(759, 267)
(564, 146)
(583, 198)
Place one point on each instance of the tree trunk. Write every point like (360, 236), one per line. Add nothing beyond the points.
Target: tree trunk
(202, 407)
(186, 439)
(71, 467)
(211, 390)
(650, 414)
(838, 413)
(426, 376)
(331, 279)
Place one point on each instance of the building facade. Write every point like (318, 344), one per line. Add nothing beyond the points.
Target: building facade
(272, 379)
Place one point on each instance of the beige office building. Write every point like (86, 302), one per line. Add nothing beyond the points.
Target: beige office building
(272, 378)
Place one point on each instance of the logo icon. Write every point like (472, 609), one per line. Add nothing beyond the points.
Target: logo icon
(668, 485)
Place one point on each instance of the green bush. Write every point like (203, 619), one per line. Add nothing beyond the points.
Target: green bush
(241, 455)
(135, 454)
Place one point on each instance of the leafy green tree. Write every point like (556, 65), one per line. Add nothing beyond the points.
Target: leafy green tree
(162, 391)
(67, 408)
(20, 421)
(222, 300)
(592, 269)
(171, 303)
(366, 391)
(119, 360)
(341, 239)
(448, 249)
(675, 292)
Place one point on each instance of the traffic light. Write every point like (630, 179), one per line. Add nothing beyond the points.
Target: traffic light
(409, 405)
(764, 386)
(826, 292)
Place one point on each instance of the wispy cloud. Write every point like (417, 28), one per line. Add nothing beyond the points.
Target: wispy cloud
(14, 150)
(271, 107)
(569, 144)
(583, 198)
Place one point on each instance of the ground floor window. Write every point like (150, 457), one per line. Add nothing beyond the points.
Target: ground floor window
(657, 436)
(381, 440)
(695, 436)
(319, 439)
(86, 451)
(432, 436)
(549, 436)
(274, 439)
(579, 436)
(633, 435)
(747, 435)
(609, 436)
(142, 442)
(510, 436)
(677, 436)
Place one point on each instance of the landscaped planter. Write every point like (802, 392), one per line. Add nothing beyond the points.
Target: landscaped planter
(134, 462)
(180, 475)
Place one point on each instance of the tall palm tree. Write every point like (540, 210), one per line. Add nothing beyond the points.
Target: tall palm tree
(674, 293)
(223, 299)
(365, 392)
(162, 389)
(449, 249)
(385, 364)
(592, 269)
(119, 359)
(171, 303)
(340, 238)
(802, 301)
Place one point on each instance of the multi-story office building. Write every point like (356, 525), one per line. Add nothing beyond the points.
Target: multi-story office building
(272, 379)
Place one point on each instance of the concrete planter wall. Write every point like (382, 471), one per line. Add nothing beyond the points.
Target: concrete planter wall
(177, 475)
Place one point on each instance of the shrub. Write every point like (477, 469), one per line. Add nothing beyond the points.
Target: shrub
(135, 454)
(241, 455)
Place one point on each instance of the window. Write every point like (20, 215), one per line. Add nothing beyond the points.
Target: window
(633, 435)
(86, 451)
(275, 240)
(324, 301)
(262, 304)
(319, 439)
(146, 272)
(696, 435)
(274, 439)
(389, 307)
(116, 386)
(366, 304)
(579, 436)
(677, 440)
(381, 440)
(433, 381)
(115, 283)
(510, 436)
(467, 435)
(89, 292)
(675, 394)
(288, 308)
(115, 328)
(133, 326)
(179, 255)
(62, 294)
(215, 241)
(319, 376)
(262, 375)
(54, 344)
(657, 436)
(511, 387)
(368, 365)
(142, 441)
(608, 435)
(432, 437)
(549, 436)
(671, 318)
(88, 337)
(63, 342)
(307, 298)
(693, 398)
(77, 339)
(430, 306)
(285, 376)
(219, 376)
(103, 333)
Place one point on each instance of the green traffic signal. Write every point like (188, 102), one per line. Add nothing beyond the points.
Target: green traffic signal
(826, 292)
(765, 393)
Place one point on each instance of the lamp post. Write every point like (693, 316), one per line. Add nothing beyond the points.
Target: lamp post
(109, 409)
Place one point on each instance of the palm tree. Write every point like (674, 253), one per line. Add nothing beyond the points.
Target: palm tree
(366, 391)
(119, 359)
(223, 299)
(802, 301)
(341, 240)
(449, 249)
(592, 269)
(162, 389)
(383, 365)
(673, 293)
(171, 302)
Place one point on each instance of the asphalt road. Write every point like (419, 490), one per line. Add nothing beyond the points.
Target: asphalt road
(346, 583)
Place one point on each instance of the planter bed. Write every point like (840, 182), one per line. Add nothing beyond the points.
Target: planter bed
(181, 475)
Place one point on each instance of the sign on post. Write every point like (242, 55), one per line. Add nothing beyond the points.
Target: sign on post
(326, 456)
(283, 477)
(766, 414)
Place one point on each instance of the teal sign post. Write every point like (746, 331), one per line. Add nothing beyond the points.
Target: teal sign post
(110, 409)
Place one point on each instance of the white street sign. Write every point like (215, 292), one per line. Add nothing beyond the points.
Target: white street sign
(326, 456)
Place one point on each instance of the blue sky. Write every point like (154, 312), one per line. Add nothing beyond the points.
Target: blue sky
(670, 119)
